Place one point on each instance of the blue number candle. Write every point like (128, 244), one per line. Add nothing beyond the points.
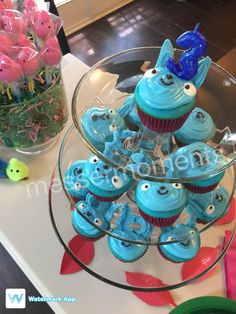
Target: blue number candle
(187, 66)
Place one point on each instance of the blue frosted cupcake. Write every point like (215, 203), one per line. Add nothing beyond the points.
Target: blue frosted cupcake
(104, 182)
(164, 101)
(187, 245)
(160, 203)
(125, 251)
(75, 182)
(209, 206)
(95, 214)
(195, 160)
(199, 127)
(99, 124)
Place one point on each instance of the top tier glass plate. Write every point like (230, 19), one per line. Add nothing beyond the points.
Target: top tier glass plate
(112, 80)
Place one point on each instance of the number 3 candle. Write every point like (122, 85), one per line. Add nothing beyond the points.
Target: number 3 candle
(187, 66)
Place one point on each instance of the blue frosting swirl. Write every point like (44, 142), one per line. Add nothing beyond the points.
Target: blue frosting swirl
(186, 248)
(99, 124)
(95, 212)
(160, 200)
(75, 182)
(195, 160)
(126, 251)
(164, 95)
(104, 180)
(160, 91)
(199, 127)
(208, 206)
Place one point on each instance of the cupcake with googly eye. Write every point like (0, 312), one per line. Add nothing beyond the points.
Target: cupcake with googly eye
(160, 203)
(184, 243)
(199, 127)
(104, 182)
(92, 228)
(164, 100)
(99, 124)
(209, 206)
(196, 160)
(75, 182)
(124, 251)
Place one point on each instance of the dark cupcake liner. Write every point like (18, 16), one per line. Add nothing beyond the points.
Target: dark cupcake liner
(159, 222)
(200, 189)
(92, 239)
(203, 222)
(162, 125)
(166, 257)
(105, 199)
(181, 144)
(75, 199)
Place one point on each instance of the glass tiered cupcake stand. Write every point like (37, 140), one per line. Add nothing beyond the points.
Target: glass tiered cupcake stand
(107, 85)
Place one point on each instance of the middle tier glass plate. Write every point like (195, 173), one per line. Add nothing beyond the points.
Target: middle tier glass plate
(73, 149)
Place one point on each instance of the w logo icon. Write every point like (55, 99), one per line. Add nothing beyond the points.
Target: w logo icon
(15, 298)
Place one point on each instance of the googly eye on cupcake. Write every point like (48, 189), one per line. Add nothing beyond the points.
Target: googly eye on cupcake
(124, 251)
(99, 124)
(209, 206)
(199, 127)
(184, 243)
(93, 211)
(74, 180)
(104, 182)
(164, 99)
(195, 160)
(160, 203)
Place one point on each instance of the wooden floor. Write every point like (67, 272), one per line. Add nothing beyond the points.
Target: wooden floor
(149, 22)
(142, 23)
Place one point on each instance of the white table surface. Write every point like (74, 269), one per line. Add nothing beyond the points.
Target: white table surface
(27, 234)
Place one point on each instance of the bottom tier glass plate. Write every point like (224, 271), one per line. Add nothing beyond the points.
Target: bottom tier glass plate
(107, 268)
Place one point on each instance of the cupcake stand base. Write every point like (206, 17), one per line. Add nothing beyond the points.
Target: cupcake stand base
(27, 234)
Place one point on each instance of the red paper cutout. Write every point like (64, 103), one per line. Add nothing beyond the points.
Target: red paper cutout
(229, 216)
(82, 249)
(229, 263)
(151, 298)
(205, 258)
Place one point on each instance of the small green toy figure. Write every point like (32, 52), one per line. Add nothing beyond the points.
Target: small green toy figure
(15, 169)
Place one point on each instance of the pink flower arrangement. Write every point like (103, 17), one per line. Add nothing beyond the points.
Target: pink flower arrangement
(29, 49)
